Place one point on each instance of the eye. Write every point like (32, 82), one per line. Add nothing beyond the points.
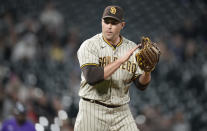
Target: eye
(106, 21)
(113, 22)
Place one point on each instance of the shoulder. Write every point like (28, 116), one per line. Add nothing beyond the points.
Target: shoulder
(128, 42)
(91, 43)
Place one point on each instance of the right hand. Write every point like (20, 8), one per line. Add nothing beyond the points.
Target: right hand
(125, 57)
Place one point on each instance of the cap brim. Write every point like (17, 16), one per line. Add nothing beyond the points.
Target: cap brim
(112, 17)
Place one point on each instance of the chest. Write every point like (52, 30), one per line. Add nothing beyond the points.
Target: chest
(109, 54)
(106, 50)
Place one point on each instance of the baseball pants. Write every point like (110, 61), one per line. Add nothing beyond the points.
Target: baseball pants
(95, 117)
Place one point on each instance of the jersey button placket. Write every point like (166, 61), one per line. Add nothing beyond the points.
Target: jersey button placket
(114, 51)
(112, 56)
(111, 94)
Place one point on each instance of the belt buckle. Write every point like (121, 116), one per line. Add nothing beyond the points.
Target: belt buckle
(92, 101)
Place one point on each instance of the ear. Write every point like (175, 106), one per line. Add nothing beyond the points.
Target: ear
(123, 24)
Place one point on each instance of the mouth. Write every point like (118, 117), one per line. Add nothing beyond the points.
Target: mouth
(109, 32)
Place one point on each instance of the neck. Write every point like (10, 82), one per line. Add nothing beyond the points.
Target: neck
(114, 41)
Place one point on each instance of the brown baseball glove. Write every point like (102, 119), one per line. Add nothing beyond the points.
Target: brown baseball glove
(148, 56)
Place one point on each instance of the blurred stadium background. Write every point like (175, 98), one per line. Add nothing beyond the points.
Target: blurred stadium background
(39, 67)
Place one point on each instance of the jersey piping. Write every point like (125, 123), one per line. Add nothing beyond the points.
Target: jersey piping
(88, 64)
(121, 40)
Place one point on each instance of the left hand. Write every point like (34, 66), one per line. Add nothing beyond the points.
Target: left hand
(148, 56)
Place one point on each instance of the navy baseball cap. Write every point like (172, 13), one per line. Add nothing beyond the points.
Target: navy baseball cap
(115, 12)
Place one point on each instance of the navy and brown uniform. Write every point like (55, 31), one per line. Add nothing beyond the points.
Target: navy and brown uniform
(104, 105)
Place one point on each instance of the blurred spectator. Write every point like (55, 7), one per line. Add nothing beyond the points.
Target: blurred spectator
(190, 51)
(56, 52)
(155, 121)
(11, 95)
(31, 113)
(67, 126)
(43, 106)
(72, 44)
(19, 122)
(1, 100)
(167, 55)
(7, 35)
(176, 45)
(179, 123)
(201, 24)
(25, 49)
(52, 19)
(188, 30)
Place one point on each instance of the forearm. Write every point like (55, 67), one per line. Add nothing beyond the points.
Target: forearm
(94, 74)
(145, 78)
(142, 81)
(111, 68)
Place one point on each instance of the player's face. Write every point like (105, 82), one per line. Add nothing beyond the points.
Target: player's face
(111, 28)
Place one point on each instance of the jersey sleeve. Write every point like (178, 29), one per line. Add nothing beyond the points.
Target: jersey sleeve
(138, 70)
(88, 54)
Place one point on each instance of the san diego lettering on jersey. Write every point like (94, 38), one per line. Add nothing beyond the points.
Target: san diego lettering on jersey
(128, 65)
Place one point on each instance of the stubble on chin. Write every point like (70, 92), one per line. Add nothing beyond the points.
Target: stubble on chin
(107, 37)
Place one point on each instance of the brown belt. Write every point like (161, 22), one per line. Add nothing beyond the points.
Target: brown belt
(100, 103)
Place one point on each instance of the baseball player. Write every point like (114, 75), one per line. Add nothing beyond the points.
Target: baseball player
(108, 65)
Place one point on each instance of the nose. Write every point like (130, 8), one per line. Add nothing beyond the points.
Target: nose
(109, 25)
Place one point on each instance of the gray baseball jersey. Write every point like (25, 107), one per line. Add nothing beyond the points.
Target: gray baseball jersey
(114, 90)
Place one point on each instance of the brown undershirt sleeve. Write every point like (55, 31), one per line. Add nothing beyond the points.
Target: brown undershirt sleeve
(139, 85)
(93, 74)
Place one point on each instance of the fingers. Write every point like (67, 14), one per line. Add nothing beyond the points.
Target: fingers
(128, 54)
(140, 46)
(133, 49)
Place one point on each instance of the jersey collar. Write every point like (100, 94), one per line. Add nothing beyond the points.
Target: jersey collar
(114, 47)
